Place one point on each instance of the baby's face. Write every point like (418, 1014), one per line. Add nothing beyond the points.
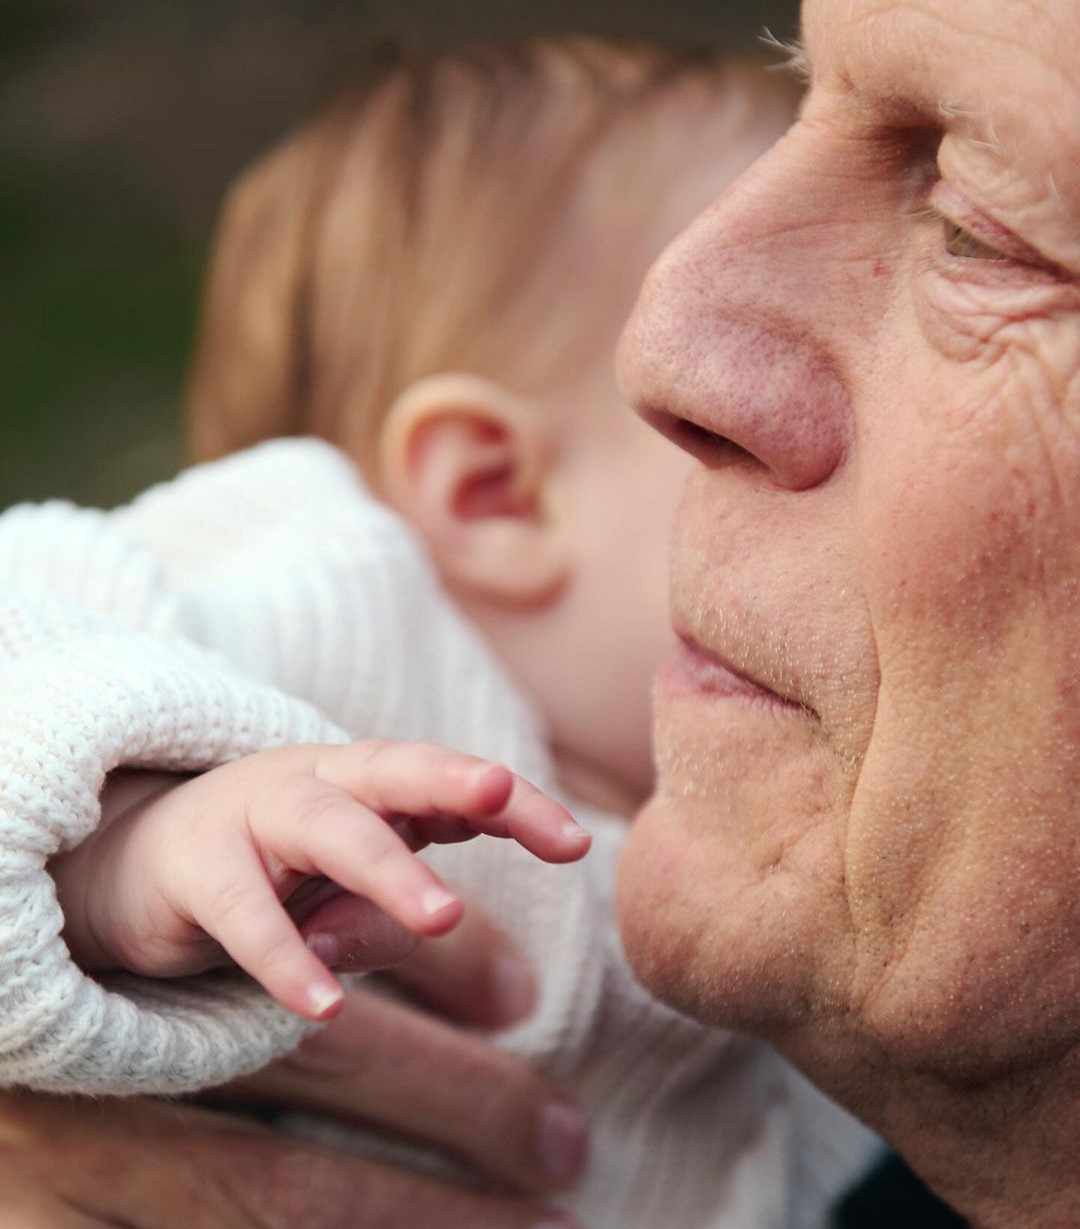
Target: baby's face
(592, 666)
(612, 626)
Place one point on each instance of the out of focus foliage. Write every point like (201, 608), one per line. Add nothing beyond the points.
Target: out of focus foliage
(120, 124)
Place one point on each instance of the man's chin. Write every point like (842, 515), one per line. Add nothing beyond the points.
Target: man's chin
(713, 935)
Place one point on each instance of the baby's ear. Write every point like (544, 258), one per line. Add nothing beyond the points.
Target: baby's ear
(471, 467)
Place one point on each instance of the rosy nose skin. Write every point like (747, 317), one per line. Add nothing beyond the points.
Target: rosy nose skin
(764, 387)
(723, 335)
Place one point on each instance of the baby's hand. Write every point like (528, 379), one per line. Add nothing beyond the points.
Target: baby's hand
(210, 861)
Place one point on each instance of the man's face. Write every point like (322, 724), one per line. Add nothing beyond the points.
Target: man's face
(869, 751)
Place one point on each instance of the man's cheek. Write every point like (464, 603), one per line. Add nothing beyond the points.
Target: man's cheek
(1043, 386)
(972, 513)
(972, 580)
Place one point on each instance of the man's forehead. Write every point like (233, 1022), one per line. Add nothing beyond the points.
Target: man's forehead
(1002, 72)
(928, 46)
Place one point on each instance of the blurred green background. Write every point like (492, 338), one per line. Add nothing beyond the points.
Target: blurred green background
(120, 125)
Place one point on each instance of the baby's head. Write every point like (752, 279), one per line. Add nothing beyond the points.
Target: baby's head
(433, 275)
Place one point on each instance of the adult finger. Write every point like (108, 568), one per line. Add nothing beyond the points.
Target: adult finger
(353, 934)
(147, 1165)
(384, 1063)
(40, 1210)
(109, 1163)
(317, 1190)
(34, 1212)
(474, 975)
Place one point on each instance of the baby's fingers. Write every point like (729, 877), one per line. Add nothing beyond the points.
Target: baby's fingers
(321, 830)
(541, 825)
(440, 790)
(238, 907)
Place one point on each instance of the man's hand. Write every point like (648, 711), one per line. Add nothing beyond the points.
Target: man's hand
(74, 1164)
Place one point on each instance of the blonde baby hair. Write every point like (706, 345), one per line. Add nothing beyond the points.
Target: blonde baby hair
(434, 219)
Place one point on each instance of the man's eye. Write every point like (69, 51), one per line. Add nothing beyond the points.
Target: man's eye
(962, 243)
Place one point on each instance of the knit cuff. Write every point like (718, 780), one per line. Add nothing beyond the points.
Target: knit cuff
(76, 706)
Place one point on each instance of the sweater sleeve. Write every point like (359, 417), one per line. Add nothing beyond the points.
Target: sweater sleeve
(332, 598)
(80, 696)
(172, 634)
(58, 552)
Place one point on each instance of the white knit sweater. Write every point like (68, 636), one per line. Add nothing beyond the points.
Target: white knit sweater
(177, 633)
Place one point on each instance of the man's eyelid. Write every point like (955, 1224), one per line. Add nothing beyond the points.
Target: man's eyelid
(950, 203)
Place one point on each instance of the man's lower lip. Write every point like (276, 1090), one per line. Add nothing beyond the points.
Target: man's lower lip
(689, 670)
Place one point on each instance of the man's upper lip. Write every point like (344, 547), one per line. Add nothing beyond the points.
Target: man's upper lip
(740, 671)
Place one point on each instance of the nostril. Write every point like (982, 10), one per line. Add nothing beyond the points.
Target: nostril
(731, 389)
(709, 447)
(712, 450)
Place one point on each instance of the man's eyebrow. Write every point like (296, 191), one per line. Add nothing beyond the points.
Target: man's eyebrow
(982, 131)
(793, 57)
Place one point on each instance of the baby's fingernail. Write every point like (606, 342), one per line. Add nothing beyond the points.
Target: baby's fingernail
(575, 832)
(326, 948)
(562, 1142)
(435, 900)
(323, 998)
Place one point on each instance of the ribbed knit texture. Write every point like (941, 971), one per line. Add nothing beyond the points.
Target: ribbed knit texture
(278, 561)
(78, 699)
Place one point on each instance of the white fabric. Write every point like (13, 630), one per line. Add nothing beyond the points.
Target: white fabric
(286, 575)
(79, 698)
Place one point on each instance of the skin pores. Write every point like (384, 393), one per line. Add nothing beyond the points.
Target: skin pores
(881, 843)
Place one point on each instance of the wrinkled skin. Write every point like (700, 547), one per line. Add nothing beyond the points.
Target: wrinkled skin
(872, 343)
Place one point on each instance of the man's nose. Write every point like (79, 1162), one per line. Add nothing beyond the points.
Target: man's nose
(722, 348)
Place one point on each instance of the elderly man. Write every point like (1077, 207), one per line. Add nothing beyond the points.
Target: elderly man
(865, 841)
(864, 845)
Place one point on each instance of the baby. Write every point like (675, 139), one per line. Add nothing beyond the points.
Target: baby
(430, 279)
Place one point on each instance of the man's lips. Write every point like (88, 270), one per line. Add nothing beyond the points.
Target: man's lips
(692, 668)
